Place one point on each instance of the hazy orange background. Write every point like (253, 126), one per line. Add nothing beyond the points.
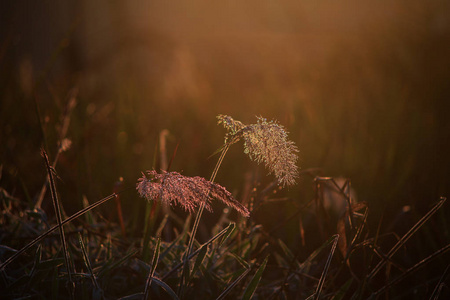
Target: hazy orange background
(362, 87)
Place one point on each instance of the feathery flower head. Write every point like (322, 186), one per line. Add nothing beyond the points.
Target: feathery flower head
(266, 141)
(231, 125)
(188, 192)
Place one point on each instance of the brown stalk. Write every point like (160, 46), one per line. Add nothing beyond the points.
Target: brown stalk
(56, 206)
(325, 269)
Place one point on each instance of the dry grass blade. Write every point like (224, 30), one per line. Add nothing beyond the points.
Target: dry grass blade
(347, 198)
(188, 192)
(341, 229)
(411, 270)
(325, 269)
(357, 235)
(233, 284)
(265, 141)
(403, 240)
(87, 262)
(186, 256)
(45, 234)
(153, 268)
(217, 236)
(292, 266)
(57, 208)
(437, 290)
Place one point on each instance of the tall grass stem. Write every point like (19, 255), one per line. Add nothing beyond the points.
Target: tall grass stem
(202, 206)
(57, 208)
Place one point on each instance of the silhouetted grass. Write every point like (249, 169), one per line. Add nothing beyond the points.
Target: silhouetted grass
(243, 259)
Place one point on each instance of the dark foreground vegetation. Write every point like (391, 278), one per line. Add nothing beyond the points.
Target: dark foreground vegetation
(86, 256)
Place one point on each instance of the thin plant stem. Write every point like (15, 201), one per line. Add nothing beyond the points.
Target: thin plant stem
(233, 284)
(151, 273)
(57, 208)
(410, 270)
(202, 206)
(440, 284)
(407, 235)
(325, 270)
(197, 219)
(45, 234)
(220, 234)
(87, 262)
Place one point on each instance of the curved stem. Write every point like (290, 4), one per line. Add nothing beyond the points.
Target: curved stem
(202, 206)
(219, 162)
(197, 220)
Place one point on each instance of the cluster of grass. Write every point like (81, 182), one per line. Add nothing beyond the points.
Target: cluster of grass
(48, 254)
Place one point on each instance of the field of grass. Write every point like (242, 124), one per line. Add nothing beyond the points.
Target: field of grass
(122, 174)
(93, 257)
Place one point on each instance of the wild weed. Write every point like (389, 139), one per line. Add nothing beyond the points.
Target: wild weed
(265, 141)
(246, 259)
(188, 192)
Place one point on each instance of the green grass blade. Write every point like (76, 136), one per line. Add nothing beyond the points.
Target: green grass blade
(89, 218)
(289, 256)
(241, 261)
(251, 288)
(200, 257)
(227, 234)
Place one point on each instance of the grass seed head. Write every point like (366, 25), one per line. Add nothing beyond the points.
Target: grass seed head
(187, 192)
(266, 141)
(232, 126)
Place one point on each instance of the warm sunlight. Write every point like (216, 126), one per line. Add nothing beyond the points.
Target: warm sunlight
(281, 141)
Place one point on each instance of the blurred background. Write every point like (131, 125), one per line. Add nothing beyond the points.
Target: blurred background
(362, 87)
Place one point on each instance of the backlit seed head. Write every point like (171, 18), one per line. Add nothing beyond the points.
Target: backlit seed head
(265, 141)
(187, 192)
